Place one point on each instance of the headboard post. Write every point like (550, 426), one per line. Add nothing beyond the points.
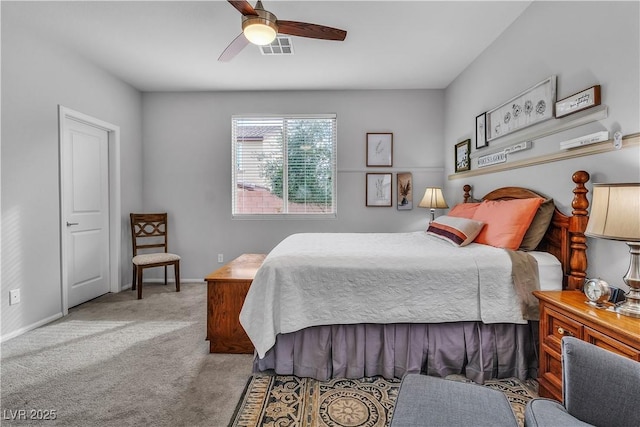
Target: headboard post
(467, 192)
(577, 226)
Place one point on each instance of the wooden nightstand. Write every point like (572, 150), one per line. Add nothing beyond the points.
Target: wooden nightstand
(226, 289)
(566, 313)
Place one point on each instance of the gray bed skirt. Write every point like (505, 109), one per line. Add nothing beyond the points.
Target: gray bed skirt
(474, 349)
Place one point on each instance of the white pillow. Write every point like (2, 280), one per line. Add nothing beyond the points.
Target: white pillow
(458, 231)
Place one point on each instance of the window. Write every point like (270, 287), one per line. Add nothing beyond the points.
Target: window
(284, 166)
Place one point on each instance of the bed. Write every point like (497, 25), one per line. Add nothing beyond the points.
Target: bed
(333, 305)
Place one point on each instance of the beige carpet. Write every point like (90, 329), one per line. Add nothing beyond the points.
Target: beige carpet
(280, 400)
(119, 361)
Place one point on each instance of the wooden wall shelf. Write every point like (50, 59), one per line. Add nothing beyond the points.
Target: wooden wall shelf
(543, 129)
(600, 147)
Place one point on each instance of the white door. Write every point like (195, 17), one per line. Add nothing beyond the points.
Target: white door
(85, 210)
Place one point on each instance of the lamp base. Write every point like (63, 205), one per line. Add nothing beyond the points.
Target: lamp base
(631, 306)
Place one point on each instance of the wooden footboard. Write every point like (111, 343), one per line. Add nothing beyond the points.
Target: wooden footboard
(565, 237)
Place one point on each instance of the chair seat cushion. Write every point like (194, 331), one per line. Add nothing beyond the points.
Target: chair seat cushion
(547, 412)
(146, 259)
(432, 401)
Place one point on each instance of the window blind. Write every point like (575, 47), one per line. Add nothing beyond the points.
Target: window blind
(284, 166)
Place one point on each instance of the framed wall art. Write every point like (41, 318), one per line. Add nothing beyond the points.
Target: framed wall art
(405, 191)
(463, 161)
(580, 101)
(532, 106)
(481, 131)
(379, 189)
(379, 149)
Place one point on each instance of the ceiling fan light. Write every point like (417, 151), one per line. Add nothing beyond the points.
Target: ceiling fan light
(259, 31)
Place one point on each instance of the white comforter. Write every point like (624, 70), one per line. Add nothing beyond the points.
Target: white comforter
(346, 278)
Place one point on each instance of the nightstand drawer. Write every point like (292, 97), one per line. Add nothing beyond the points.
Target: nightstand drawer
(601, 340)
(558, 325)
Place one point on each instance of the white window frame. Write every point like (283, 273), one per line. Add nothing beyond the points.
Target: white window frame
(284, 215)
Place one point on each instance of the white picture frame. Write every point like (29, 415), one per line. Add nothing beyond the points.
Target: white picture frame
(379, 193)
(532, 106)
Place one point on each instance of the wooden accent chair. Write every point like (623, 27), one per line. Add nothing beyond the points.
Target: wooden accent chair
(149, 231)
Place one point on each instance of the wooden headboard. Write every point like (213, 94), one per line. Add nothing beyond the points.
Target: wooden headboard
(565, 237)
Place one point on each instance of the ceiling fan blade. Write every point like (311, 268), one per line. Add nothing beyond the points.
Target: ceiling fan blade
(234, 48)
(314, 31)
(243, 7)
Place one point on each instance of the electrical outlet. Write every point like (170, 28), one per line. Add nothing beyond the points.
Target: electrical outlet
(14, 296)
(220, 258)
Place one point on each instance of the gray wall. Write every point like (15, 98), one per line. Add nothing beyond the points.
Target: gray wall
(176, 146)
(36, 77)
(187, 165)
(584, 44)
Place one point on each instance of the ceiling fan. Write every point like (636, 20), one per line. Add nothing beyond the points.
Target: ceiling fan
(260, 27)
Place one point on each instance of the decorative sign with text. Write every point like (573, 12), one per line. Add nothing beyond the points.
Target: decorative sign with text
(501, 157)
(492, 159)
(578, 102)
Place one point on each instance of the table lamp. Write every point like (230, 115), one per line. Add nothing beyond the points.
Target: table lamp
(433, 199)
(615, 215)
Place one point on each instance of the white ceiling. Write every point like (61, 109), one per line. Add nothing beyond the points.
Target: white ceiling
(174, 45)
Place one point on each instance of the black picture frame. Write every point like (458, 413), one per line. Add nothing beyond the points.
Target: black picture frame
(481, 131)
(462, 155)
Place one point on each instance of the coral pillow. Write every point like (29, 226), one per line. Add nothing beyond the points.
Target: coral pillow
(464, 210)
(506, 221)
(458, 231)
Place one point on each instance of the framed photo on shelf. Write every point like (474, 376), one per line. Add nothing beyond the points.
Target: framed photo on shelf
(481, 131)
(405, 191)
(379, 149)
(379, 189)
(580, 101)
(463, 160)
(532, 106)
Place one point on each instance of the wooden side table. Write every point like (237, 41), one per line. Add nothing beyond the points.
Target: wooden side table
(566, 313)
(226, 289)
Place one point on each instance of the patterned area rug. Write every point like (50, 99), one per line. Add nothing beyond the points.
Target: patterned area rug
(287, 401)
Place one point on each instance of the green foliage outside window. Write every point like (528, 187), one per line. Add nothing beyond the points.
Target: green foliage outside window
(309, 163)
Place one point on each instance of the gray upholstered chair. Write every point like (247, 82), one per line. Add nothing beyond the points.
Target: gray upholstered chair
(431, 401)
(598, 387)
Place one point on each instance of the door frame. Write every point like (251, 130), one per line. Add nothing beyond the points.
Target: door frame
(113, 133)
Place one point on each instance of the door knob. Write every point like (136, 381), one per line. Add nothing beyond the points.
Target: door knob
(69, 224)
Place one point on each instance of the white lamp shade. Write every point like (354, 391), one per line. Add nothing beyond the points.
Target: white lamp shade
(433, 198)
(615, 212)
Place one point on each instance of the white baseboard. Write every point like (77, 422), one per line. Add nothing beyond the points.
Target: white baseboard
(21, 331)
(169, 282)
(39, 323)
